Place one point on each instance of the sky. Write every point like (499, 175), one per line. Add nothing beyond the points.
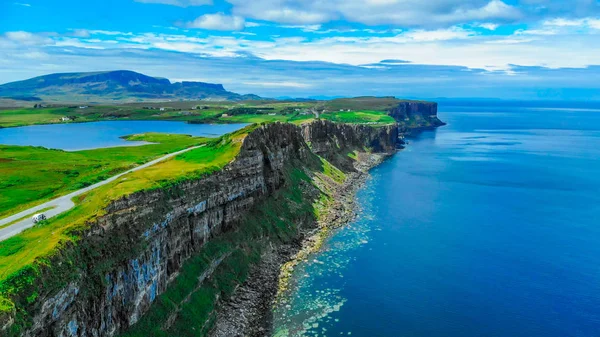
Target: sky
(508, 49)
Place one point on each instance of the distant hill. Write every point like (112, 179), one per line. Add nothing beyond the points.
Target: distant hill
(120, 85)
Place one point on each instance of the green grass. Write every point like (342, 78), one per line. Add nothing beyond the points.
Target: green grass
(48, 256)
(363, 111)
(359, 117)
(31, 116)
(265, 118)
(365, 103)
(32, 175)
(41, 240)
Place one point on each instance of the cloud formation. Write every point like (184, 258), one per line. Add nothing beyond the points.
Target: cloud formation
(218, 21)
(413, 13)
(321, 46)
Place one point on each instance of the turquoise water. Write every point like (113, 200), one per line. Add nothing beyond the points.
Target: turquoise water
(83, 136)
(489, 226)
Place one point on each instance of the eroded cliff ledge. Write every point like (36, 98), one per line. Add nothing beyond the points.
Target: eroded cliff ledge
(158, 261)
(416, 114)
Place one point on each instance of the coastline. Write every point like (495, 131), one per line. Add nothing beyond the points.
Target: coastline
(249, 311)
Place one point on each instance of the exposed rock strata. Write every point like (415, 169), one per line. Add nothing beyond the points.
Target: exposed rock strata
(249, 311)
(138, 247)
(415, 114)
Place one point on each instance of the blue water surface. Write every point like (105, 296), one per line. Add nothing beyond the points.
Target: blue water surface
(83, 136)
(489, 226)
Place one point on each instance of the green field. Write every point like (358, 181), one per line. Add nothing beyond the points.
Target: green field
(358, 117)
(43, 239)
(362, 110)
(32, 175)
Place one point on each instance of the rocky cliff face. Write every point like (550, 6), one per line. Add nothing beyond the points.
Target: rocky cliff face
(130, 255)
(333, 141)
(414, 114)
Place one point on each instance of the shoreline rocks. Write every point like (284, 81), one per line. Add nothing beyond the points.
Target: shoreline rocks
(248, 312)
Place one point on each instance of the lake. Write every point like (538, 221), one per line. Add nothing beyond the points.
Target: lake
(488, 226)
(84, 136)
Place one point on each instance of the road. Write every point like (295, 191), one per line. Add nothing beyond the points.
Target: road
(64, 203)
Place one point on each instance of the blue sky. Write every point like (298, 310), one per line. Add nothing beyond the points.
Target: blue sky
(513, 49)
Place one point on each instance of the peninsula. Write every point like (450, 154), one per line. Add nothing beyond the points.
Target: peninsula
(200, 240)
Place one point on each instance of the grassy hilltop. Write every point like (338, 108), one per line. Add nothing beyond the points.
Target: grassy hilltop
(371, 110)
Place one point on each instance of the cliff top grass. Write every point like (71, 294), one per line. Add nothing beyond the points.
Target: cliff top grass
(360, 117)
(33, 175)
(203, 112)
(39, 242)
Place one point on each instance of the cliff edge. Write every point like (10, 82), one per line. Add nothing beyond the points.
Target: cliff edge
(161, 261)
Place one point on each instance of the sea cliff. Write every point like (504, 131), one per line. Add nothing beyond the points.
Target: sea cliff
(416, 115)
(165, 260)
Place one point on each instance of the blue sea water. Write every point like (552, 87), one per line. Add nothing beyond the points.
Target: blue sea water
(489, 226)
(84, 136)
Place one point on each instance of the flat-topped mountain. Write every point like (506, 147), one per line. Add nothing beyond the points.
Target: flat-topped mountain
(119, 85)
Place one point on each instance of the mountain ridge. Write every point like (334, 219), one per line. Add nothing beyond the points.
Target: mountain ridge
(116, 85)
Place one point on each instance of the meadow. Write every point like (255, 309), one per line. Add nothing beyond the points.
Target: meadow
(360, 110)
(32, 175)
(20, 251)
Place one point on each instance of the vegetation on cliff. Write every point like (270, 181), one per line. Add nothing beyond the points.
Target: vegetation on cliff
(187, 307)
(33, 175)
(48, 257)
(371, 110)
(25, 257)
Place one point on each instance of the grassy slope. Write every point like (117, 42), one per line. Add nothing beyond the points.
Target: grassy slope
(378, 117)
(30, 116)
(274, 219)
(22, 250)
(32, 175)
(362, 111)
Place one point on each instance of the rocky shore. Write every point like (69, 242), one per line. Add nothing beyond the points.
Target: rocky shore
(248, 312)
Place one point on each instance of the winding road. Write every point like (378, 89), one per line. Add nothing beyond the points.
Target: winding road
(22, 220)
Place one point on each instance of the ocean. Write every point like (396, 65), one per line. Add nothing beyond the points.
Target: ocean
(489, 226)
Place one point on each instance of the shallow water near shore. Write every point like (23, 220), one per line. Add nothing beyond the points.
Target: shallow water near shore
(485, 227)
(93, 135)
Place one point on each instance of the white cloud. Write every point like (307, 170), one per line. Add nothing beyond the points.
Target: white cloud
(179, 3)
(304, 28)
(453, 33)
(81, 33)
(22, 4)
(218, 21)
(560, 22)
(415, 13)
(488, 26)
(589, 22)
(26, 38)
(541, 31)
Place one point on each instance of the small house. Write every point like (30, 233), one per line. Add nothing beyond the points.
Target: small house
(162, 109)
(65, 119)
(224, 115)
